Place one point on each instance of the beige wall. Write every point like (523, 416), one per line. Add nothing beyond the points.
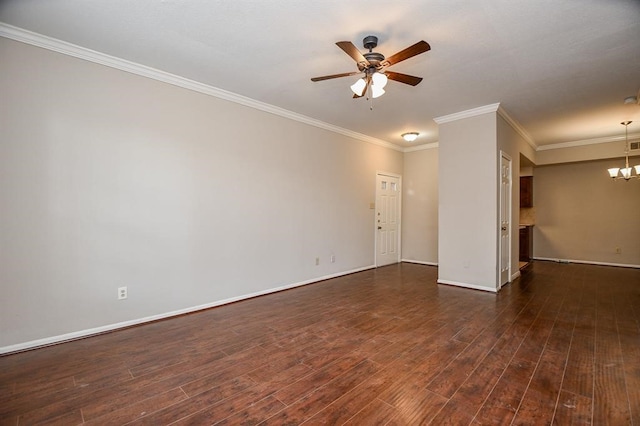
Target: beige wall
(109, 179)
(420, 206)
(468, 202)
(583, 215)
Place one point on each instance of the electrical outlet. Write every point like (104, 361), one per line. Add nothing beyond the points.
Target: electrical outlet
(317, 261)
(618, 250)
(122, 293)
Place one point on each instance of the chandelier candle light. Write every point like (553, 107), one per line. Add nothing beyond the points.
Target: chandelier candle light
(626, 172)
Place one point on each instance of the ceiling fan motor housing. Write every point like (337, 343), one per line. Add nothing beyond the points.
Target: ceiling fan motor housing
(374, 58)
(370, 42)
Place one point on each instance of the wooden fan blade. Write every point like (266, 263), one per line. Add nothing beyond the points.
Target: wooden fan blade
(351, 50)
(328, 77)
(403, 78)
(411, 51)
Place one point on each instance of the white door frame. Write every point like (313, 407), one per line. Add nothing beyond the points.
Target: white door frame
(505, 209)
(375, 223)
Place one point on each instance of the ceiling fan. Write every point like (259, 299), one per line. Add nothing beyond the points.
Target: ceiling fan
(374, 66)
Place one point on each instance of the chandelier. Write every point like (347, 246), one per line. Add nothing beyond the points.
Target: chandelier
(626, 172)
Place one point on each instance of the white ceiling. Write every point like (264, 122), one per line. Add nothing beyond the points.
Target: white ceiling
(560, 68)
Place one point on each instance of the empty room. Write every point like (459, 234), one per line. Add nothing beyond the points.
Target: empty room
(278, 212)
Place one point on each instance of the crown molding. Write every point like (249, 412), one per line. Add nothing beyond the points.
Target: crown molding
(585, 142)
(517, 127)
(45, 42)
(467, 114)
(487, 109)
(59, 46)
(422, 147)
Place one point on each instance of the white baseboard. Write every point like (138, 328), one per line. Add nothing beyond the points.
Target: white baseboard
(419, 262)
(465, 285)
(514, 276)
(53, 340)
(589, 262)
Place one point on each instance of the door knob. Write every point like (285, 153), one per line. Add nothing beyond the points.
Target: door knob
(504, 228)
(379, 227)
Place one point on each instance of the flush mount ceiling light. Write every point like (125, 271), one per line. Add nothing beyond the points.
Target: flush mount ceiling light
(626, 172)
(410, 136)
(635, 100)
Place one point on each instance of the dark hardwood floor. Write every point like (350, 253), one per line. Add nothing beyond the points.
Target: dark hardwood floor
(389, 346)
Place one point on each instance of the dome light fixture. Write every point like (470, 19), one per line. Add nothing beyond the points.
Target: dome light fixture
(631, 100)
(410, 136)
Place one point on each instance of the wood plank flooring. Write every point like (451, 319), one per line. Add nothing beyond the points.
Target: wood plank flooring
(388, 346)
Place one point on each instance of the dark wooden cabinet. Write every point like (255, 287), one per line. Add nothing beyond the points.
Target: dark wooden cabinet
(526, 191)
(526, 243)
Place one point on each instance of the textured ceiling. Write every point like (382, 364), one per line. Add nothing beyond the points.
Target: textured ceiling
(561, 68)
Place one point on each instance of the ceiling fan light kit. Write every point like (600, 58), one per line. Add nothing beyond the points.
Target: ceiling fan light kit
(625, 173)
(374, 66)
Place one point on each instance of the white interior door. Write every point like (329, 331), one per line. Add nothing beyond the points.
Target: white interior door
(387, 219)
(505, 219)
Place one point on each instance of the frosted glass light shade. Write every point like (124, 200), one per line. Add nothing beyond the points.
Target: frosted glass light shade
(613, 172)
(376, 91)
(637, 169)
(411, 136)
(379, 80)
(626, 172)
(358, 86)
